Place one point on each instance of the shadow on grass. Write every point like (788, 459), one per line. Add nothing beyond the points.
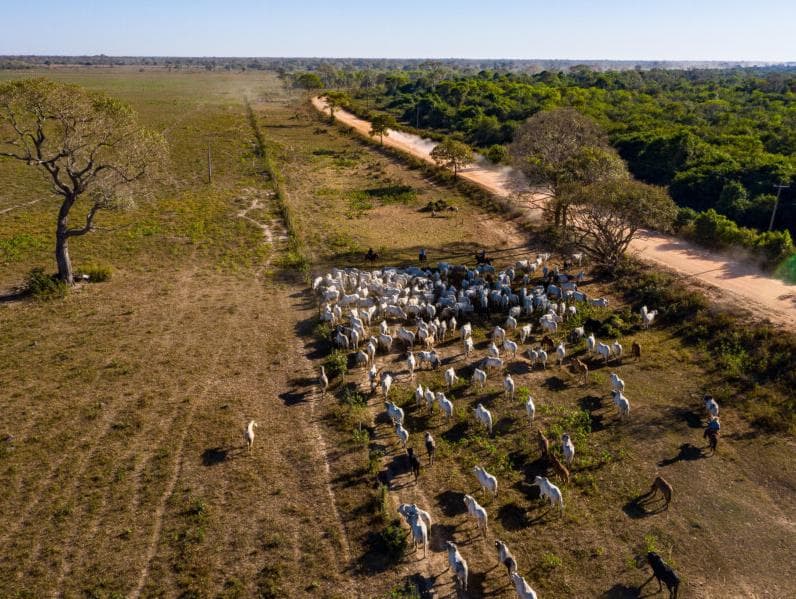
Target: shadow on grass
(687, 453)
(451, 503)
(638, 506)
(513, 517)
(291, 398)
(690, 417)
(555, 383)
(213, 456)
(456, 433)
(621, 591)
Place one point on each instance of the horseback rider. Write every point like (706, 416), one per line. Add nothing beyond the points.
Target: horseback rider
(712, 431)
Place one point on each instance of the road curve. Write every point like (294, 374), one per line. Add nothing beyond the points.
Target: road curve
(740, 283)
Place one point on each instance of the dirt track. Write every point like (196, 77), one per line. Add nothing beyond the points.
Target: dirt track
(742, 284)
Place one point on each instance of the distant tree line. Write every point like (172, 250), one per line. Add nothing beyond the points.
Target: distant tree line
(719, 139)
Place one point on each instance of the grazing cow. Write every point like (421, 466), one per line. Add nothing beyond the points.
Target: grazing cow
(457, 564)
(663, 573)
(431, 448)
(414, 462)
(505, 557)
(636, 350)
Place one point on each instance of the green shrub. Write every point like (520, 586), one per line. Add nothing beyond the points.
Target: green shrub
(393, 542)
(497, 154)
(351, 396)
(336, 363)
(97, 272)
(45, 287)
(685, 218)
(404, 591)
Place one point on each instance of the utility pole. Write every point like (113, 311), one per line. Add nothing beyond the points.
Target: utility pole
(209, 166)
(779, 187)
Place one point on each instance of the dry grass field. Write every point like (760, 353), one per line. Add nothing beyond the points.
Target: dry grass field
(124, 473)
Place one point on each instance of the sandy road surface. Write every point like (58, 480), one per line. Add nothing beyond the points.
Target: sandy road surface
(741, 283)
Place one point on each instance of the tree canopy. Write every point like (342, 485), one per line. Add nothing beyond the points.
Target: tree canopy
(89, 146)
(560, 150)
(335, 99)
(689, 130)
(606, 215)
(380, 125)
(453, 154)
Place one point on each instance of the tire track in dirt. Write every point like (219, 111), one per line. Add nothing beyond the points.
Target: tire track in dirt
(157, 516)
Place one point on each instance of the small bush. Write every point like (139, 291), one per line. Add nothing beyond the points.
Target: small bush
(550, 561)
(393, 542)
(96, 272)
(497, 154)
(336, 364)
(404, 591)
(45, 287)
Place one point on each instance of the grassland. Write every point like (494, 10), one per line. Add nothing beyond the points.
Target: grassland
(126, 401)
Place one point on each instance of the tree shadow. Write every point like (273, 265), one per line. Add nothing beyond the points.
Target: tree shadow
(14, 296)
(451, 503)
(216, 455)
(687, 453)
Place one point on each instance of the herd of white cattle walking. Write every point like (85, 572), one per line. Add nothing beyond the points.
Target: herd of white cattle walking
(434, 302)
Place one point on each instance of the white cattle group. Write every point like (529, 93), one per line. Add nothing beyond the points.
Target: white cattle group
(426, 307)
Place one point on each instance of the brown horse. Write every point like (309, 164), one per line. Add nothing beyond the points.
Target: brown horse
(662, 485)
(544, 444)
(579, 368)
(558, 467)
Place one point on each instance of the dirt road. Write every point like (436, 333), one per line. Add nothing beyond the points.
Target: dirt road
(742, 284)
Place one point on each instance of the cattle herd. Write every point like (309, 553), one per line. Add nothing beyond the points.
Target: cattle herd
(413, 310)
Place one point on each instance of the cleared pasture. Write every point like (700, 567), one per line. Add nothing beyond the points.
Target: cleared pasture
(127, 401)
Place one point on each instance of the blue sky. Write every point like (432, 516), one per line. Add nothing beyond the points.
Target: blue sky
(572, 29)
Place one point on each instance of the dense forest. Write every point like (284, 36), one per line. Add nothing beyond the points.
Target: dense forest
(720, 139)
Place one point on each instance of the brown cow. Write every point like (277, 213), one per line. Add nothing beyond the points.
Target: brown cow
(636, 351)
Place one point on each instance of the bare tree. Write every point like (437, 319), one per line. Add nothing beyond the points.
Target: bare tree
(558, 150)
(605, 216)
(89, 146)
